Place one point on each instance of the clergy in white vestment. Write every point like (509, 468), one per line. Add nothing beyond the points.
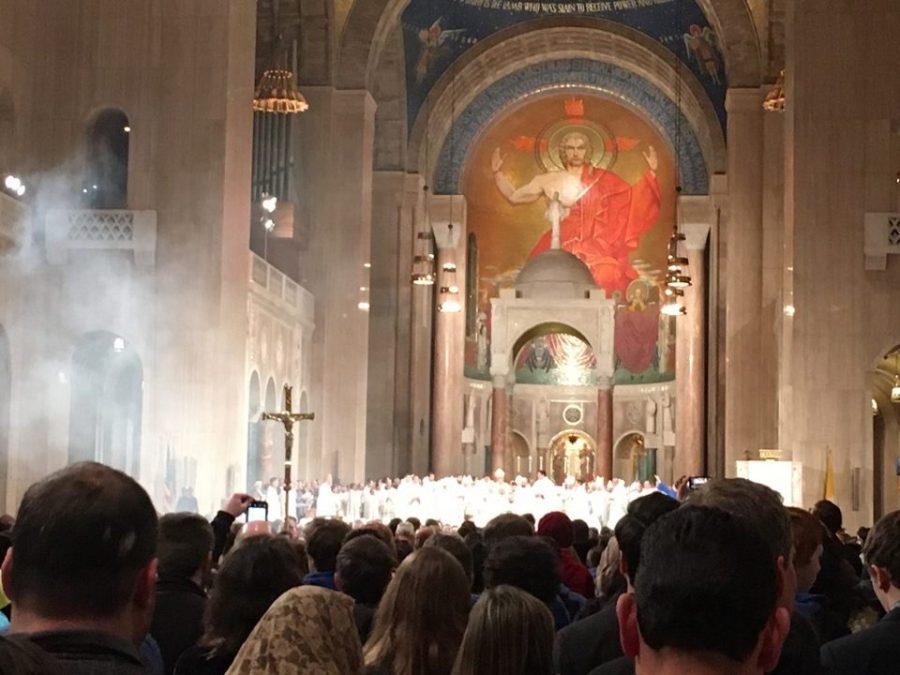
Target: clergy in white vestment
(326, 505)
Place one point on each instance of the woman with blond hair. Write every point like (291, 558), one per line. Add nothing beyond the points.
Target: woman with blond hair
(510, 633)
(421, 618)
(308, 631)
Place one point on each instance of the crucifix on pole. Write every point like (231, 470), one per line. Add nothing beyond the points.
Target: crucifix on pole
(288, 418)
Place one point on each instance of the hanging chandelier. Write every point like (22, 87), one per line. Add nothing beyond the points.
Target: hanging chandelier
(278, 93)
(448, 295)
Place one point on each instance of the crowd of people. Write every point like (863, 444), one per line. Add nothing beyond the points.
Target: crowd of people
(721, 579)
(453, 499)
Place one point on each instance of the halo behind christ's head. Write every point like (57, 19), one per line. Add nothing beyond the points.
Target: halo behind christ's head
(601, 143)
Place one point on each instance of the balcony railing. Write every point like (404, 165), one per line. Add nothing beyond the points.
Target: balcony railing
(274, 285)
(101, 230)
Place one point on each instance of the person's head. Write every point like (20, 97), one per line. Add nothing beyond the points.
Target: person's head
(416, 523)
(422, 616)
(392, 525)
(509, 633)
(763, 510)
(557, 526)
(374, 529)
(881, 553)
(307, 631)
(506, 525)
(456, 547)
(528, 563)
(575, 149)
(250, 578)
(807, 531)
(581, 533)
(185, 546)
(630, 529)
(84, 552)
(324, 537)
(406, 531)
(466, 528)
(830, 515)
(706, 592)
(423, 535)
(364, 569)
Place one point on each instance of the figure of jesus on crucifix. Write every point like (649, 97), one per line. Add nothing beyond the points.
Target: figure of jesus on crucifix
(288, 418)
(601, 217)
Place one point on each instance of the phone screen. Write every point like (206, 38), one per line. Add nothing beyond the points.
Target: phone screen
(696, 481)
(257, 511)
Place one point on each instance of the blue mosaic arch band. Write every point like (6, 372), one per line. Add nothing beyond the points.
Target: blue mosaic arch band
(613, 80)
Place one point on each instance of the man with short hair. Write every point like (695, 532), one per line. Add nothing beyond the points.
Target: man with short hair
(705, 599)
(82, 568)
(593, 641)
(324, 537)
(876, 650)
(364, 568)
(185, 560)
(763, 510)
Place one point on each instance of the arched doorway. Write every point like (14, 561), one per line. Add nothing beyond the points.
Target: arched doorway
(633, 460)
(262, 463)
(254, 408)
(106, 402)
(5, 390)
(572, 453)
(883, 380)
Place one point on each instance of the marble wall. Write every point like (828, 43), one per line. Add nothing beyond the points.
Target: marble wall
(189, 155)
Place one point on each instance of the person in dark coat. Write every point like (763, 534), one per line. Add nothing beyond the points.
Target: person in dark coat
(876, 650)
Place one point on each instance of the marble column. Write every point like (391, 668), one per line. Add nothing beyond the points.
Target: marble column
(448, 224)
(605, 430)
(690, 370)
(695, 215)
(340, 263)
(743, 236)
(499, 423)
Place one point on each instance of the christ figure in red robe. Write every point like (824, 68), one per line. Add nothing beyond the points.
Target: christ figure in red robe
(603, 217)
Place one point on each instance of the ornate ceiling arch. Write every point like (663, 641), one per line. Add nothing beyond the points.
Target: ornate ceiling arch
(595, 55)
(370, 23)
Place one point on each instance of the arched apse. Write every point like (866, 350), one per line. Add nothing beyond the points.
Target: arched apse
(106, 406)
(5, 400)
(105, 184)
(598, 56)
(369, 24)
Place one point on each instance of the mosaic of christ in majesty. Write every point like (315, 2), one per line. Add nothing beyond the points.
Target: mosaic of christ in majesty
(605, 177)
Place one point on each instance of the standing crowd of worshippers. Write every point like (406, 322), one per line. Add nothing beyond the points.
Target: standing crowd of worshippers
(722, 580)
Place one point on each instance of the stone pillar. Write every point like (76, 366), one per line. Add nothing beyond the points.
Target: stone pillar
(388, 295)
(605, 430)
(421, 314)
(499, 423)
(743, 292)
(448, 223)
(690, 352)
(340, 264)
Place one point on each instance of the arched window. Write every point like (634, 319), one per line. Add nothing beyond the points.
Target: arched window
(106, 402)
(106, 177)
